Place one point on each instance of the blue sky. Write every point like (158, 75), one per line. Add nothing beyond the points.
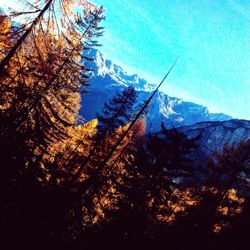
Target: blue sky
(212, 38)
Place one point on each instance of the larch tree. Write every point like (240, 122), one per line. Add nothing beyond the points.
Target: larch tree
(42, 73)
(116, 113)
(44, 76)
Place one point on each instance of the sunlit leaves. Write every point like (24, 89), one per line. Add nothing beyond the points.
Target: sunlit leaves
(231, 206)
(167, 206)
(42, 82)
(113, 178)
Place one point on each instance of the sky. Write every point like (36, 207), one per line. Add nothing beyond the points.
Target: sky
(211, 37)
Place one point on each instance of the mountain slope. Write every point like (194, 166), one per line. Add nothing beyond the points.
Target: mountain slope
(108, 79)
(213, 136)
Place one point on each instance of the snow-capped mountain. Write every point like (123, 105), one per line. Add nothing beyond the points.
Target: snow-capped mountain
(108, 79)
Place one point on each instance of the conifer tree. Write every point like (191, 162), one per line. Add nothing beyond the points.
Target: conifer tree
(116, 113)
(229, 168)
(41, 82)
(178, 148)
(167, 152)
(41, 87)
(102, 201)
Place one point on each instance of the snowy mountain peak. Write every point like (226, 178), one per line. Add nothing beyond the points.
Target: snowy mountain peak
(108, 79)
(106, 69)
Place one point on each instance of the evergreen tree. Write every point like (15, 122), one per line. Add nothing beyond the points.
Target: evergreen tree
(178, 149)
(42, 76)
(116, 113)
(167, 152)
(42, 83)
(230, 168)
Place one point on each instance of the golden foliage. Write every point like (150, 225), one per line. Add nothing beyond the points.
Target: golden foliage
(168, 206)
(226, 207)
(43, 78)
(114, 176)
(232, 207)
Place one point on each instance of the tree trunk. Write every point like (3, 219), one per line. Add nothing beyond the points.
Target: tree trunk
(11, 53)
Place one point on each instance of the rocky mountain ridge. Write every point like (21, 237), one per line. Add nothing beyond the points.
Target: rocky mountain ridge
(108, 79)
(214, 135)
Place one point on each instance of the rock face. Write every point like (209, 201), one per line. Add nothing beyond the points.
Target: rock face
(213, 136)
(108, 79)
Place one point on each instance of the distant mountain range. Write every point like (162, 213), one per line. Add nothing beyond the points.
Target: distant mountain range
(108, 79)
